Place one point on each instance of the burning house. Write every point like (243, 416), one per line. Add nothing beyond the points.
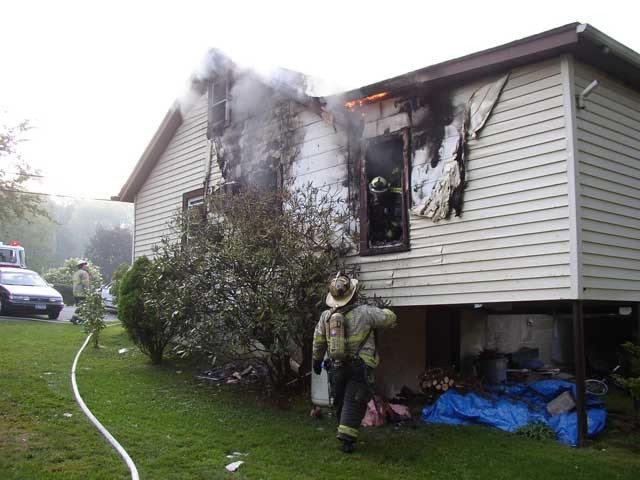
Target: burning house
(496, 194)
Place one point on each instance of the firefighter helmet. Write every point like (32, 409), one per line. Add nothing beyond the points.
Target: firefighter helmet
(341, 290)
(378, 185)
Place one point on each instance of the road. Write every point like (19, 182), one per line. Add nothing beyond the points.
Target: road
(65, 316)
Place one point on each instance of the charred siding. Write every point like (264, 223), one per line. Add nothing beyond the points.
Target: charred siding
(512, 241)
(180, 169)
(609, 184)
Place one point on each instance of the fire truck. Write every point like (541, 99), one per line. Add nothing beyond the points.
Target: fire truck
(12, 255)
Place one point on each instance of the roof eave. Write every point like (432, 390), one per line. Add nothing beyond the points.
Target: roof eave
(168, 127)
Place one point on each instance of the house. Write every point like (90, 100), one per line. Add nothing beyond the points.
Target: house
(513, 188)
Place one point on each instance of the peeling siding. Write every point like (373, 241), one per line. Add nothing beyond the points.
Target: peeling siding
(512, 241)
(180, 169)
(609, 174)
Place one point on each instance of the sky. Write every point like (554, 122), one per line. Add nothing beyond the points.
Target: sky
(95, 78)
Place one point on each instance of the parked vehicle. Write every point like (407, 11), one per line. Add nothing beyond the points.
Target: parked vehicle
(107, 297)
(24, 291)
(12, 255)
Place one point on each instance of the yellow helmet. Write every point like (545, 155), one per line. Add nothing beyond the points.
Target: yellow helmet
(341, 290)
(378, 185)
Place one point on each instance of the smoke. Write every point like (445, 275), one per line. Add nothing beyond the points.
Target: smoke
(213, 61)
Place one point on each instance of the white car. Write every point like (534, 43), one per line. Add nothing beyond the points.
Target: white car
(24, 291)
(107, 297)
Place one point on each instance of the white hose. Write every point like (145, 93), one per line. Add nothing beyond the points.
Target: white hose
(114, 443)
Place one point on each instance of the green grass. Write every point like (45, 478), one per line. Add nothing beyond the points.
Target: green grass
(175, 428)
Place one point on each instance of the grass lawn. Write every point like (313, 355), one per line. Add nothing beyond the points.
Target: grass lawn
(175, 428)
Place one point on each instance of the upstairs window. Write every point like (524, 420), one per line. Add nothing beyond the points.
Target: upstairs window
(384, 180)
(218, 96)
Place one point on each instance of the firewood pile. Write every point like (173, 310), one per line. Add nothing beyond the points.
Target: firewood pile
(435, 381)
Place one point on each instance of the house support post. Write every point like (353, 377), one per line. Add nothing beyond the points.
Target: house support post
(580, 370)
(636, 317)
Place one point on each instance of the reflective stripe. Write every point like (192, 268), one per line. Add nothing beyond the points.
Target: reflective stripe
(351, 432)
(371, 360)
(390, 317)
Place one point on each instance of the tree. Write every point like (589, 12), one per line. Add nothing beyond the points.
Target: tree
(15, 201)
(146, 314)
(37, 236)
(92, 312)
(64, 275)
(110, 247)
(255, 275)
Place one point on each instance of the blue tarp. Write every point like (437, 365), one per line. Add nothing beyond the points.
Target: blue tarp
(506, 411)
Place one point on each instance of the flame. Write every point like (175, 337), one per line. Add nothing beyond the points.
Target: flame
(363, 101)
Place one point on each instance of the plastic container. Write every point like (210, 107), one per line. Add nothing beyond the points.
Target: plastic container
(493, 370)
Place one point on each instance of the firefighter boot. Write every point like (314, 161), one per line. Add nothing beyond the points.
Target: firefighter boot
(347, 446)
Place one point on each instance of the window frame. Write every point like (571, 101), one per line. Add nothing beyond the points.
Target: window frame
(211, 89)
(187, 198)
(365, 248)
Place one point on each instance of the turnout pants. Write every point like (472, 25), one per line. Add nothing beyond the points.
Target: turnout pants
(351, 388)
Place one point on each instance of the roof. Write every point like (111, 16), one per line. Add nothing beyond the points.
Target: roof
(582, 40)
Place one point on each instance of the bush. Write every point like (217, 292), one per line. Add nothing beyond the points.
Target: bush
(536, 431)
(146, 315)
(92, 312)
(631, 381)
(254, 268)
(64, 275)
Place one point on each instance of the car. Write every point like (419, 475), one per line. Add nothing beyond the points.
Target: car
(24, 291)
(107, 297)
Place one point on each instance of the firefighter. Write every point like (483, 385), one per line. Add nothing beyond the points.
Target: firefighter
(81, 286)
(385, 212)
(347, 334)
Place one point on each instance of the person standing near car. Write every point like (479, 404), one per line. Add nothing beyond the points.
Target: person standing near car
(81, 286)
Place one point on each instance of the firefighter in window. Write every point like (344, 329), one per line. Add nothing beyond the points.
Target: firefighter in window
(385, 212)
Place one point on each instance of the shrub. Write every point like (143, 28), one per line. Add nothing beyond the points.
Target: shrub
(64, 275)
(92, 312)
(536, 431)
(255, 268)
(632, 380)
(146, 314)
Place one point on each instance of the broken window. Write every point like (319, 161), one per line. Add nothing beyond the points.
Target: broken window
(383, 194)
(218, 96)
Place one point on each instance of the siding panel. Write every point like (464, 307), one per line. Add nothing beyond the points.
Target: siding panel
(179, 169)
(512, 240)
(609, 176)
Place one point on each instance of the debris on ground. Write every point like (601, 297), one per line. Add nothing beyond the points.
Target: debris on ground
(316, 412)
(232, 467)
(237, 454)
(67, 414)
(379, 412)
(245, 372)
(123, 350)
(563, 403)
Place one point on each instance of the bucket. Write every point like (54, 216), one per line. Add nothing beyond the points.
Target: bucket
(493, 370)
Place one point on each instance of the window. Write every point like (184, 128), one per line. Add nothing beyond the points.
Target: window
(218, 96)
(384, 180)
(193, 207)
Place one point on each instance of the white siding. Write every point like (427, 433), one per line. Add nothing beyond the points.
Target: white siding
(512, 241)
(179, 169)
(609, 183)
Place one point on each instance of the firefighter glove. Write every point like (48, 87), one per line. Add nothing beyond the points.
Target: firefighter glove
(317, 367)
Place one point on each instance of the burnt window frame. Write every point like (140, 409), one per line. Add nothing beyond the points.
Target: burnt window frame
(225, 81)
(365, 248)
